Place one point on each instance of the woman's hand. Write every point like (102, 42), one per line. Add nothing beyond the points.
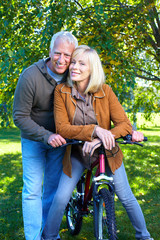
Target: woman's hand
(89, 147)
(137, 136)
(106, 137)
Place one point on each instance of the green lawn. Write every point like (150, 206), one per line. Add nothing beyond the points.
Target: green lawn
(142, 166)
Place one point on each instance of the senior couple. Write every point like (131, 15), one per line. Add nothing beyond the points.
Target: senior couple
(67, 90)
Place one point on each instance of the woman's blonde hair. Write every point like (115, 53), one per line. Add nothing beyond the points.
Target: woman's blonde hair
(97, 77)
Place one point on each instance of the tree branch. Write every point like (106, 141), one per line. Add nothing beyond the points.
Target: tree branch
(78, 4)
(152, 77)
(154, 27)
(148, 78)
(152, 42)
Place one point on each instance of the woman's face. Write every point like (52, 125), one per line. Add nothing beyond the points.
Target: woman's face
(79, 68)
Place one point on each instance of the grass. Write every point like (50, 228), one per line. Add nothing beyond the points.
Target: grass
(142, 167)
(10, 185)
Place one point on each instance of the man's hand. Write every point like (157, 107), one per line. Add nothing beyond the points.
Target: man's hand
(55, 140)
(137, 136)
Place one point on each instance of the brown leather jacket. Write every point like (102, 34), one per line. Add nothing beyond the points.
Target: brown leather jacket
(106, 107)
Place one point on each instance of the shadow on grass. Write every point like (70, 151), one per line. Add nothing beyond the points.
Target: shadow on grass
(10, 201)
(10, 134)
(154, 129)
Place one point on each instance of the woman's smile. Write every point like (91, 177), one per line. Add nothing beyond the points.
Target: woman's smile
(79, 69)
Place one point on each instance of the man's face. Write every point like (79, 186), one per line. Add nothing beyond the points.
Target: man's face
(61, 56)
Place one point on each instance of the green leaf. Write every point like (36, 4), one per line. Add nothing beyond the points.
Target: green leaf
(10, 53)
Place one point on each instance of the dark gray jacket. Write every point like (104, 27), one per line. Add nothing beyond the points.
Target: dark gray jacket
(33, 103)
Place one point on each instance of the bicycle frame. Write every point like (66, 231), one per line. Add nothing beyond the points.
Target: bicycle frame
(98, 179)
(101, 188)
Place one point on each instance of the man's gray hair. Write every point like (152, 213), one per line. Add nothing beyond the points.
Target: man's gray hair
(65, 36)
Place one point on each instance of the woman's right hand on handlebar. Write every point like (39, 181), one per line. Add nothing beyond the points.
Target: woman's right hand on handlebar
(106, 137)
(89, 147)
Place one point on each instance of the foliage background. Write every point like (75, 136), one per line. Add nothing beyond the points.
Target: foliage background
(126, 33)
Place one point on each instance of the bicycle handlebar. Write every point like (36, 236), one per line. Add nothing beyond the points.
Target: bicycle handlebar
(72, 142)
(126, 140)
(129, 138)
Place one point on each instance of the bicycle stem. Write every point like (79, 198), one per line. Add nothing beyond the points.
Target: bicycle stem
(102, 169)
(102, 163)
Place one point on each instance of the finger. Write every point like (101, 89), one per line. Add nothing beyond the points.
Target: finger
(134, 137)
(141, 138)
(94, 146)
(88, 147)
(63, 141)
(109, 142)
(137, 136)
(92, 150)
(59, 140)
(53, 144)
(84, 149)
(55, 141)
(112, 140)
(105, 142)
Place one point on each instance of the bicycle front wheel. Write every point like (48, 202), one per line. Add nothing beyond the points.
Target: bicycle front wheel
(104, 219)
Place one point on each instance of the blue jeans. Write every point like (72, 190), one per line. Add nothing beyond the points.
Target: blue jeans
(64, 192)
(129, 202)
(42, 165)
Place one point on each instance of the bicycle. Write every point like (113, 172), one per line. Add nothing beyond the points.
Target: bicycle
(99, 195)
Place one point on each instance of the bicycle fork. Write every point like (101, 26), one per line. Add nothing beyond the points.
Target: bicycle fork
(101, 182)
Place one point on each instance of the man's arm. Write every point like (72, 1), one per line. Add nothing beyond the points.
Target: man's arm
(23, 103)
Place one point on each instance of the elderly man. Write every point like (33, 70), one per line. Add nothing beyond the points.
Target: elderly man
(33, 115)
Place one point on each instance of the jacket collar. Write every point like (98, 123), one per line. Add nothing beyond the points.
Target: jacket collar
(100, 93)
(67, 89)
(42, 66)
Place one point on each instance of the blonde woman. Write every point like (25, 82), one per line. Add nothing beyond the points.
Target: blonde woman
(84, 108)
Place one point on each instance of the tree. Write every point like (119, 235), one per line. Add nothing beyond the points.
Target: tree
(125, 33)
(21, 37)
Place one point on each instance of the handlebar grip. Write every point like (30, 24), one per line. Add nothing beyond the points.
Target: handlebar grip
(71, 142)
(129, 138)
(145, 139)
